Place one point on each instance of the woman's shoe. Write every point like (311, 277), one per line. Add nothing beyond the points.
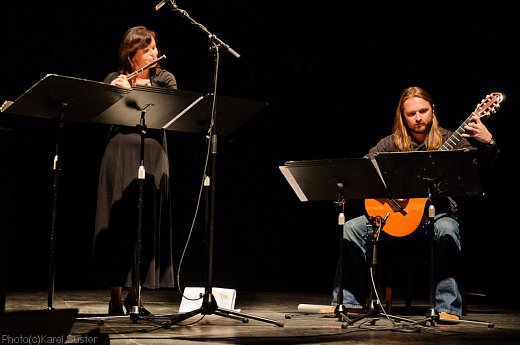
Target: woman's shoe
(115, 310)
(131, 302)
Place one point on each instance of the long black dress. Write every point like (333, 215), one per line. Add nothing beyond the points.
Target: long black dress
(117, 206)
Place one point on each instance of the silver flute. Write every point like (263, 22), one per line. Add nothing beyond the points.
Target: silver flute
(136, 72)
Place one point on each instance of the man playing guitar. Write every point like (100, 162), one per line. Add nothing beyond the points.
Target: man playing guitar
(416, 128)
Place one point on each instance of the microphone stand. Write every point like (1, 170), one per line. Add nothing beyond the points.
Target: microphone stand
(217, 42)
(209, 305)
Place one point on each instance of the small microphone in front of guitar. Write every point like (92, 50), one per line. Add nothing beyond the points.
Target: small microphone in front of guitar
(431, 211)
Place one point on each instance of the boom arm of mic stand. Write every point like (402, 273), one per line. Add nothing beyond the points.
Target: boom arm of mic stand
(213, 38)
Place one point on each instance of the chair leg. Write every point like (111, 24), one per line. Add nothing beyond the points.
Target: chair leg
(388, 299)
(409, 287)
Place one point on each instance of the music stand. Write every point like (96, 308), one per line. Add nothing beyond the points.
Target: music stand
(63, 99)
(66, 99)
(431, 174)
(161, 105)
(80, 100)
(232, 113)
(397, 175)
(335, 180)
(185, 111)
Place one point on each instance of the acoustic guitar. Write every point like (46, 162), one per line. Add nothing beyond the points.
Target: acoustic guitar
(407, 215)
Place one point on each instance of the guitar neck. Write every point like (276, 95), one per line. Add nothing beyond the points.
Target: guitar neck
(456, 137)
(486, 107)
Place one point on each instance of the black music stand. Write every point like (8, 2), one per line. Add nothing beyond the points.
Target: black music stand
(69, 99)
(232, 113)
(162, 105)
(66, 99)
(397, 175)
(335, 180)
(63, 99)
(431, 174)
(185, 111)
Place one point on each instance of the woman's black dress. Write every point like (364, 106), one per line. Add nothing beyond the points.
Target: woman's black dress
(117, 212)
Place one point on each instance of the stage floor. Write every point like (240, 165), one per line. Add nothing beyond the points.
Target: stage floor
(274, 318)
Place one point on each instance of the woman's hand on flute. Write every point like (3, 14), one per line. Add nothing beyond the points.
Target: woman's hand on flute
(121, 81)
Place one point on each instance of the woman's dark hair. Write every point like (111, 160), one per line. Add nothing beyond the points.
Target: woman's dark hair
(135, 38)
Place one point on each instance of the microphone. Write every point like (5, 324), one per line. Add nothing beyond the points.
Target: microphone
(164, 2)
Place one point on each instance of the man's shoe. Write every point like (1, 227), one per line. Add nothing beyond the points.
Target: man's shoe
(447, 317)
(355, 310)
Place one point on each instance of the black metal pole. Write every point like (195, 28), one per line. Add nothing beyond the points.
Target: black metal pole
(56, 167)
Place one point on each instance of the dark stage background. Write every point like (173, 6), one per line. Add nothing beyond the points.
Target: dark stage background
(331, 74)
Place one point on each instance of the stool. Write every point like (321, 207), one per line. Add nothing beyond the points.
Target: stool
(404, 257)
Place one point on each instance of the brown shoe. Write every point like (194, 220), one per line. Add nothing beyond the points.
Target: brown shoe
(447, 317)
(355, 310)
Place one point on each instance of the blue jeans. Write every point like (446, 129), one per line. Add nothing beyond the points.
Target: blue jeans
(356, 236)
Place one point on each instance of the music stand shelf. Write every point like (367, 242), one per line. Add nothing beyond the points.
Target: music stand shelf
(321, 180)
(87, 101)
(429, 173)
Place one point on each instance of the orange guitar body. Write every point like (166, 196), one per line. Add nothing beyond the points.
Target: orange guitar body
(399, 223)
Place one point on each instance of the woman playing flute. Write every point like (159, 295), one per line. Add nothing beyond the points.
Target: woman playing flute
(117, 220)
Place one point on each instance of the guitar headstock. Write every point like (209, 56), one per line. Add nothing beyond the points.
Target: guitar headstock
(489, 105)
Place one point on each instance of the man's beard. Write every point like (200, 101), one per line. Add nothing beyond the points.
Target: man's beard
(423, 128)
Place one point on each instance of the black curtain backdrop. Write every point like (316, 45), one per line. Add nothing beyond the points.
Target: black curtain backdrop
(331, 74)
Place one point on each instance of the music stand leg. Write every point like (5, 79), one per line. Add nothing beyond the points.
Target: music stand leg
(432, 313)
(432, 317)
(55, 187)
(340, 311)
(136, 311)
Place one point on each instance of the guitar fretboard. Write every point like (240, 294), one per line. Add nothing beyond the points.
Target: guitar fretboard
(486, 107)
(455, 138)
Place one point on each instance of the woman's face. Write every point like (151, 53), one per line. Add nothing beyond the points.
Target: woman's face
(145, 56)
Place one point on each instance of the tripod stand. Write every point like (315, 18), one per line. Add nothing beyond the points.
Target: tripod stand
(374, 307)
(335, 180)
(209, 304)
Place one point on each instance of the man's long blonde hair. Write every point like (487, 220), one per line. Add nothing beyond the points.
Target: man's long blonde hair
(401, 132)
